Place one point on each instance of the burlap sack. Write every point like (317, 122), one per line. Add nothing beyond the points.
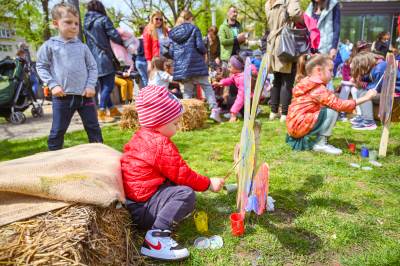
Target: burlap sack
(15, 207)
(88, 173)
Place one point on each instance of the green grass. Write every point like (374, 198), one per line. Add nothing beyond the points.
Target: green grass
(326, 212)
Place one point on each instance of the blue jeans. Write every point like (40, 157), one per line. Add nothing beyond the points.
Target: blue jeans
(106, 87)
(141, 67)
(63, 110)
(35, 84)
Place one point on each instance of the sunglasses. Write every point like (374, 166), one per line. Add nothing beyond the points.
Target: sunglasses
(158, 19)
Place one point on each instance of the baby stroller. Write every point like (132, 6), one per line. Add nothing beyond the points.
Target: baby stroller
(15, 91)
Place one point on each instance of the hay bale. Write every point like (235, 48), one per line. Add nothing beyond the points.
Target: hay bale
(129, 118)
(194, 116)
(74, 235)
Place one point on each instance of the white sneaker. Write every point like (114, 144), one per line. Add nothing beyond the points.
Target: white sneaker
(283, 118)
(158, 244)
(326, 148)
(273, 116)
(215, 115)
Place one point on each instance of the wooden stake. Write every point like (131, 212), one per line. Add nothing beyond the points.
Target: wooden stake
(384, 140)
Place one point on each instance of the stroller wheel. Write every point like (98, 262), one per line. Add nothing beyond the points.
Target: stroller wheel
(37, 111)
(17, 118)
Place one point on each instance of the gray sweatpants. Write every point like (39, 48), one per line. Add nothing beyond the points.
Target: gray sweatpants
(167, 207)
(189, 86)
(348, 88)
(367, 111)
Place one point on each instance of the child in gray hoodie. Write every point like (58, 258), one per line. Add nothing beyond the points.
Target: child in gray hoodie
(69, 69)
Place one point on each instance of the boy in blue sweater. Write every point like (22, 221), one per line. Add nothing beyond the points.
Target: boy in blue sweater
(69, 69)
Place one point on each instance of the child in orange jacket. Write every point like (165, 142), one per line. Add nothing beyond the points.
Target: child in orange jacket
(313, 111)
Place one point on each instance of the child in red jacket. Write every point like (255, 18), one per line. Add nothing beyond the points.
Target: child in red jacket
(158, 183)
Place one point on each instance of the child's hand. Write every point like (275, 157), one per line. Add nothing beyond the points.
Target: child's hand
(58, 91)
(367, 97)
(217, 84)
(233, 118)
(216, 184)
(89, 93)
(371, 94)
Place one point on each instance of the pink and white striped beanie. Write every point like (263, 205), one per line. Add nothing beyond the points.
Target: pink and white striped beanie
(156, 106)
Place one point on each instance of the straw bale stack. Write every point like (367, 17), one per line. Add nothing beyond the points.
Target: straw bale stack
(194, 116)
(74, 235)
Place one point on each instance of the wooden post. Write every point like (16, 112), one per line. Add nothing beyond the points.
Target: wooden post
(384, 140)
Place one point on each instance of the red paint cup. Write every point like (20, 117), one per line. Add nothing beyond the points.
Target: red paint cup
(352, 147)
(237, 224)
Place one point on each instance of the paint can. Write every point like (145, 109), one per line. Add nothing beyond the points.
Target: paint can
(352, 147)
(237, 224)
(201, 221)
(364, 152)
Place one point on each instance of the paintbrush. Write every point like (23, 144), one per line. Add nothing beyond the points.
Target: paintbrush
(231, 170)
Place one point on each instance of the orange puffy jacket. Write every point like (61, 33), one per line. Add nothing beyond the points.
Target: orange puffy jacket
(309, 96)
(149, 159)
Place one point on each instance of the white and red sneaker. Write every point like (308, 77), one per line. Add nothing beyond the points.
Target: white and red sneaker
(158, 244)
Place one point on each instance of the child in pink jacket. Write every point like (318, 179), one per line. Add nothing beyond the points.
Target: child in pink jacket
(236, 78)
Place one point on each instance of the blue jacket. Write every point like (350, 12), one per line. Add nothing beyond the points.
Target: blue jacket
(374, 78)
(187, 50)
(102, 29)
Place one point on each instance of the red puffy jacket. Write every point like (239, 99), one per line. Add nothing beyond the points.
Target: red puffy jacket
(149, 159)
(150, 44)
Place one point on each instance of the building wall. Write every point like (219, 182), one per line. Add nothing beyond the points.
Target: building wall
(362, 19)
(9, 42)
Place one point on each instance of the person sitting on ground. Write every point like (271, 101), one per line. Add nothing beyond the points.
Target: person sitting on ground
(174, 87)
(367, 70)
(158, 183)
(158, 76)
(237, 78)
(69, 69)
(313, 111)
(346, 85)
(124, 53)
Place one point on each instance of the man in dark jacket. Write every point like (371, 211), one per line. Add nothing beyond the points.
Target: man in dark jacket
(98, 31)
(188, 52)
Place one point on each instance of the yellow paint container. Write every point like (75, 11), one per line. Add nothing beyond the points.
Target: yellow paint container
(201, 221)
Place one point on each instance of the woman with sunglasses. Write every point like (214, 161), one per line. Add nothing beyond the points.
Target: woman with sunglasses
(155, 37)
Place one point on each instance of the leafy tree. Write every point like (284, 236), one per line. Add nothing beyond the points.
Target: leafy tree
(203, 19)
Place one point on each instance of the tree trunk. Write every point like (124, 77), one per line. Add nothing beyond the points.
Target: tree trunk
(46, 20)
(75, 3)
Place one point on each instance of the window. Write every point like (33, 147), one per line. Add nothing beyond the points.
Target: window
(376, 24)
(351, 28)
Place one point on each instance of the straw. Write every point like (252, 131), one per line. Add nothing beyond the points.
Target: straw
(194, 116)
(75, 235)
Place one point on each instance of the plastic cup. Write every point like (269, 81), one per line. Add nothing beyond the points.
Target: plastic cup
(352, 147)
(201, 221)
(373, 155)
(237, 224)
(364, 152)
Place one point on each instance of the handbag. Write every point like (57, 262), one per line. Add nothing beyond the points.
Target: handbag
(293, 42)
(108, 52)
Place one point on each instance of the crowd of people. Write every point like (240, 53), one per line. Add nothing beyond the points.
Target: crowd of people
(158, 183)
